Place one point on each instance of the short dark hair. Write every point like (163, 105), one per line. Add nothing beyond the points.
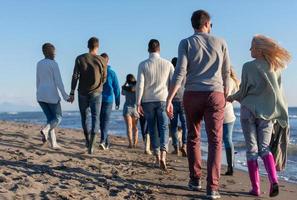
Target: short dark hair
(93, 42)
(199, 18)
(104, 55)
(174, 61)
(153, 45)
(47, 45)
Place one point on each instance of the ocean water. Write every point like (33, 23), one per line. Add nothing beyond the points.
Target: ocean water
(71, 119)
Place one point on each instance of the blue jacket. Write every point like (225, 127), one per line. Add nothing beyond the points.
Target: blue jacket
(111, 87)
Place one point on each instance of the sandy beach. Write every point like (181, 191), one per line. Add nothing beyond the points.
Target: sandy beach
(30, 170)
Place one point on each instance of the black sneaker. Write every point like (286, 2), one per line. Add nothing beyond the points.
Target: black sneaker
(212, 194)
(194, 184)
(274, 190)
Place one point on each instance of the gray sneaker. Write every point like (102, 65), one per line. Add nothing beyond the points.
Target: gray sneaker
(212, 194)
(194, 184)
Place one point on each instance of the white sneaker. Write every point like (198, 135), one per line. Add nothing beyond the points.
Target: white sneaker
(53, 140)
(102, 146)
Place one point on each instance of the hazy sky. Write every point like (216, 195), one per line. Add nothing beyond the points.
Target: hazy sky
(124, 29)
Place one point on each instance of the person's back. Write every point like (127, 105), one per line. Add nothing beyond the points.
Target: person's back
(89, 69)
(205, 55)
(47, 89)
(154, 76)
(109, 85)
(204, 62)
(130, 95)
(130, 113)
(48, 81)
(261, 92)
(263, 107)
(157, 72)
(111, 91)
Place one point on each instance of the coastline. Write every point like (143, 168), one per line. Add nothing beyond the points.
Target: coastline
(30, 170)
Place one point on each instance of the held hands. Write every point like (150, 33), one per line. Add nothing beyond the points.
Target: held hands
(70, 99)
(229, 99)
(140, 110)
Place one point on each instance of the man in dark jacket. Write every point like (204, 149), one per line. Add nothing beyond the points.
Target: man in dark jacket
(91, 71)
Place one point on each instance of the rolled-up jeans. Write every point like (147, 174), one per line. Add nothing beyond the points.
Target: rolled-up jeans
(53, 113)
(178, 112)
(227, 135)
(90, 103)
(155, 113)
(257, 133)
(106, 109)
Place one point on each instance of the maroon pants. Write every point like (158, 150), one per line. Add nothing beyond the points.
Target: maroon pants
(210, 107)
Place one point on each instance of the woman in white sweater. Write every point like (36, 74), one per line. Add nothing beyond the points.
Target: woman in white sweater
(229, 120)
(48, 81)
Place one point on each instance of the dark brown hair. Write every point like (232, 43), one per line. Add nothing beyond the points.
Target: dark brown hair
(47, 45)
(130, 79)
(199, 18)
(174, 61)
(153, 46)
(104, 55)
(93, 42)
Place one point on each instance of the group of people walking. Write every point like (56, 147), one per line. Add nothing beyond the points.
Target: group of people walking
(199, 84)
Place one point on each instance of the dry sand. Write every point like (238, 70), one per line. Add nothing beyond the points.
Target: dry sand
(30, 170)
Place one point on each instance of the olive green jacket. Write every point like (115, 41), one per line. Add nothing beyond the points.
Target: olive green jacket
(261, 92)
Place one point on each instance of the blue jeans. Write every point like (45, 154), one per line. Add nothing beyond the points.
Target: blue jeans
(53, 113)
(178, 111)
(257, 133)
(155, 113)
(106, 109)
(90, 103)
(227, 135)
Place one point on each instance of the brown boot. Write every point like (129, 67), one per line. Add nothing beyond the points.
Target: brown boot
(163, 165)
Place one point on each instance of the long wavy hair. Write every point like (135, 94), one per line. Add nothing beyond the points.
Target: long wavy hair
(234, 77)
(277, 56)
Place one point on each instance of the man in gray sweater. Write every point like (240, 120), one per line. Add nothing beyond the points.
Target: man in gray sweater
(204, 60)
(154, 75)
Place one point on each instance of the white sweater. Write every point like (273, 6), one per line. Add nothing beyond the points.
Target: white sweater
(48, 81)
(154, 76)
(229, 115)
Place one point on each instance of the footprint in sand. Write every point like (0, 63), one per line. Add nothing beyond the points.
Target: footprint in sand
(40, 153)
(89, 186)
(113, 192)
(3, 179)
(7, 173)
(231, 181)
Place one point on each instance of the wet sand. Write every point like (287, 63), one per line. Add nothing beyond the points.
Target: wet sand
(30, 170)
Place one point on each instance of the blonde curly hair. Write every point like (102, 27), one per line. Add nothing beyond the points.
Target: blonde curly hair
(277, 56)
